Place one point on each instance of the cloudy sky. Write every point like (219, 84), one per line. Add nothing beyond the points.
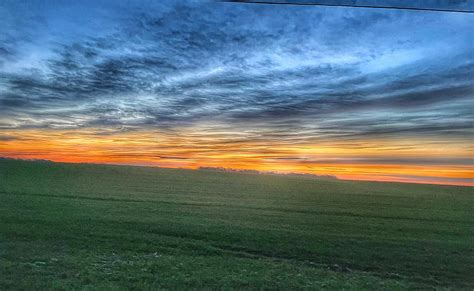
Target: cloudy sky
(368, 94)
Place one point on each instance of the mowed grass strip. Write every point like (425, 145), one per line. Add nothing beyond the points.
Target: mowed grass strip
(67, 226)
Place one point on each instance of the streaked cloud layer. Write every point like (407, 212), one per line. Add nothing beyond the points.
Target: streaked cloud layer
(360, 93)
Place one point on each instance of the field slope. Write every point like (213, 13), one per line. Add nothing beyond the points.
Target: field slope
(70, 226)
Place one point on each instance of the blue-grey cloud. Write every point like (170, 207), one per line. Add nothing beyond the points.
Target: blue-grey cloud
(320, 72)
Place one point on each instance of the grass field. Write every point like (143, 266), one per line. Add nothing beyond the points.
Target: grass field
(74, 226)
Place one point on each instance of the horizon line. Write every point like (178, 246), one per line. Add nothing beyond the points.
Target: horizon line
(329, 177)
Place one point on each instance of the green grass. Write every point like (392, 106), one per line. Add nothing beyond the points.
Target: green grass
(78, 226)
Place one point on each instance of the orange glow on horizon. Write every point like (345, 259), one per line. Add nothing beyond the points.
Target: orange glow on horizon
(191, 148)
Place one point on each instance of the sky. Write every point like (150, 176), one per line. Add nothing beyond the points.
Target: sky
(365, 94)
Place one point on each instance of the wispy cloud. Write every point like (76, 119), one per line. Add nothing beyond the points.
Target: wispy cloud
(292, 75)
